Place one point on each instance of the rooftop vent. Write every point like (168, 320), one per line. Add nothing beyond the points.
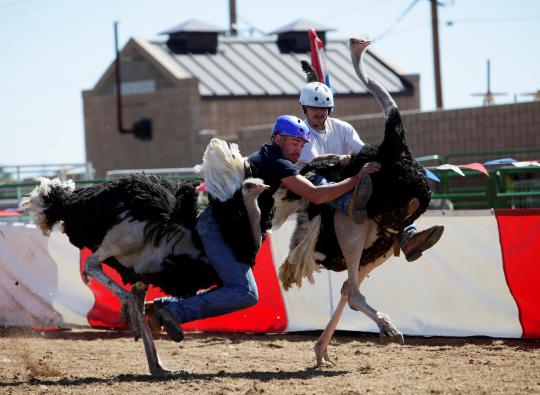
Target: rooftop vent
(293, 38)
(193, 36)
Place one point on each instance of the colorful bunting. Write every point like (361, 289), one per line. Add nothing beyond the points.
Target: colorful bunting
(526, 164)
(476, 166)
(500, 161)
(451, 167)
(431, 175)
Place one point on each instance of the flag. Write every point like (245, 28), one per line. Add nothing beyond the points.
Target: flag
(318, 60)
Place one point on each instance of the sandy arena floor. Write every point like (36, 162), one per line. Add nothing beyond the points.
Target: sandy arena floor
(101, 362)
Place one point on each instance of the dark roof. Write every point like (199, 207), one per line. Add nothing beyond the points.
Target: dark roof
(256, 67)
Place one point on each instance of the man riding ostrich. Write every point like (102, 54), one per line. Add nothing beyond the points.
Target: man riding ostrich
(326, 237)
(146, 228)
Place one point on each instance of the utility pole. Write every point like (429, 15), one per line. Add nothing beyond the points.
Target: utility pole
(436, 56)
(233, 28)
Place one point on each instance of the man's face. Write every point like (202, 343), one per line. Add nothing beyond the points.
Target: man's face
(291, 147)
(316, 115)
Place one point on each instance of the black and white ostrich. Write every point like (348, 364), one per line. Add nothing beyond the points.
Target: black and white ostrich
(326, 237)
(144, 227)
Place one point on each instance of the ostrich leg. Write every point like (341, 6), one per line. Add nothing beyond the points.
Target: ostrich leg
(386, 330)
(321, 346)
(138, 292)
(352, 238)
(92, 268)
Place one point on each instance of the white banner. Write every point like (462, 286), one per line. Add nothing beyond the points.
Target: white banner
(457, 288)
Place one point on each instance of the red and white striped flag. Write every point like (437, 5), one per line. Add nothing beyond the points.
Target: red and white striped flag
(318, 60)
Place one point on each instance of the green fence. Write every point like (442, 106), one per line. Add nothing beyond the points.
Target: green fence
(507, 186)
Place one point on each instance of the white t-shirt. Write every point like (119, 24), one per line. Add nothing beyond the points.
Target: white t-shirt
(338, 137)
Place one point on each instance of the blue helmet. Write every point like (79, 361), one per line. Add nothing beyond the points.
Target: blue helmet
(289, 125)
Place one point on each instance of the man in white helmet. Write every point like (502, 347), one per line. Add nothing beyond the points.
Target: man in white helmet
(333, 136)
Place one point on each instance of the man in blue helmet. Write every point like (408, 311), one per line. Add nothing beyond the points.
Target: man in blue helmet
(274, 163)
(333, 136)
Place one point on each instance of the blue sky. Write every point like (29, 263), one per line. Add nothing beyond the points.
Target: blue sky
(52, 50)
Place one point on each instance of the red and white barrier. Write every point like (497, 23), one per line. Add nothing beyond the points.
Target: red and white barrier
(482, 278)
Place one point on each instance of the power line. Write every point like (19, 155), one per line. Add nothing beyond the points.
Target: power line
(397, 21)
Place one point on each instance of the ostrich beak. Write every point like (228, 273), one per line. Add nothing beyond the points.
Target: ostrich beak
(260, 188)
(359, 41)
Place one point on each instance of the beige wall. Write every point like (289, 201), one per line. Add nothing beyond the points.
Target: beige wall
(183, 122)
(179, 114)
(175, 113)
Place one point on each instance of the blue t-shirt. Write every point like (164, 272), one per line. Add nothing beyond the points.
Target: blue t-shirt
(269, 164)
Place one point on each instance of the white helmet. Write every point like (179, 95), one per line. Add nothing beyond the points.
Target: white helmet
(316, 94)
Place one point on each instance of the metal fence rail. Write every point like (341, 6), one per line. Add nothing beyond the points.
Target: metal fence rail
(506, 187)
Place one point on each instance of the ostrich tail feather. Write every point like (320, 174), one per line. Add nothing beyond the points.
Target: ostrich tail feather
(311, 73)
(223, 168)
(45, 201)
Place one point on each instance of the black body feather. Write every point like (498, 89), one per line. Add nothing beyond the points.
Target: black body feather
(87, 214)
(400, 179)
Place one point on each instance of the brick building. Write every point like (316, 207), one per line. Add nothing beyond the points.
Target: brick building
(199, 83)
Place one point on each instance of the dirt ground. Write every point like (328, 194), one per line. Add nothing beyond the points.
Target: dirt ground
(82, 361)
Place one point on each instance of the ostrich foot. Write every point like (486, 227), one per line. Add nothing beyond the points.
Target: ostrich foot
(321, 355)
(160, 371)
(388, 332)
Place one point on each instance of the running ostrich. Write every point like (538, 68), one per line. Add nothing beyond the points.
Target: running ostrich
(326, 237)
(144, 227)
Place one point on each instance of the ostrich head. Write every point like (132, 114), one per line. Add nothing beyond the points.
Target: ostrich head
(358, 44)
(251, 189)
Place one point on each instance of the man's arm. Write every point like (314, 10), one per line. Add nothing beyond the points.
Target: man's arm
(326, 193)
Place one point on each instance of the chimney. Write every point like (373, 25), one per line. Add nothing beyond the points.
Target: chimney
(294, 38)
(193, 36)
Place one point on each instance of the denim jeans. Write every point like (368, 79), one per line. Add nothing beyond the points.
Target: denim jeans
(239, 288)
(341, 203)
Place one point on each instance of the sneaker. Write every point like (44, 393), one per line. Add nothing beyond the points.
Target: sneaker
(421, 241)
(359, 198)
(159, 316)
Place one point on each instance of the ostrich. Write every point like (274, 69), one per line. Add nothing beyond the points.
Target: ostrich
(329, 238)
(144, 227)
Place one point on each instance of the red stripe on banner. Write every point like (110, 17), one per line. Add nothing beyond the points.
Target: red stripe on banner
(106, 310)
(519, 232)
(268, 315)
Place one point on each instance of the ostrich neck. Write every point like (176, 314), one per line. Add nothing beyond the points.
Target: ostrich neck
(380, 93)
(254, 215)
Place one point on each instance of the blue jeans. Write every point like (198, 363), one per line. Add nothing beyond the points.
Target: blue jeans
(341, 203)
(239, 289)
